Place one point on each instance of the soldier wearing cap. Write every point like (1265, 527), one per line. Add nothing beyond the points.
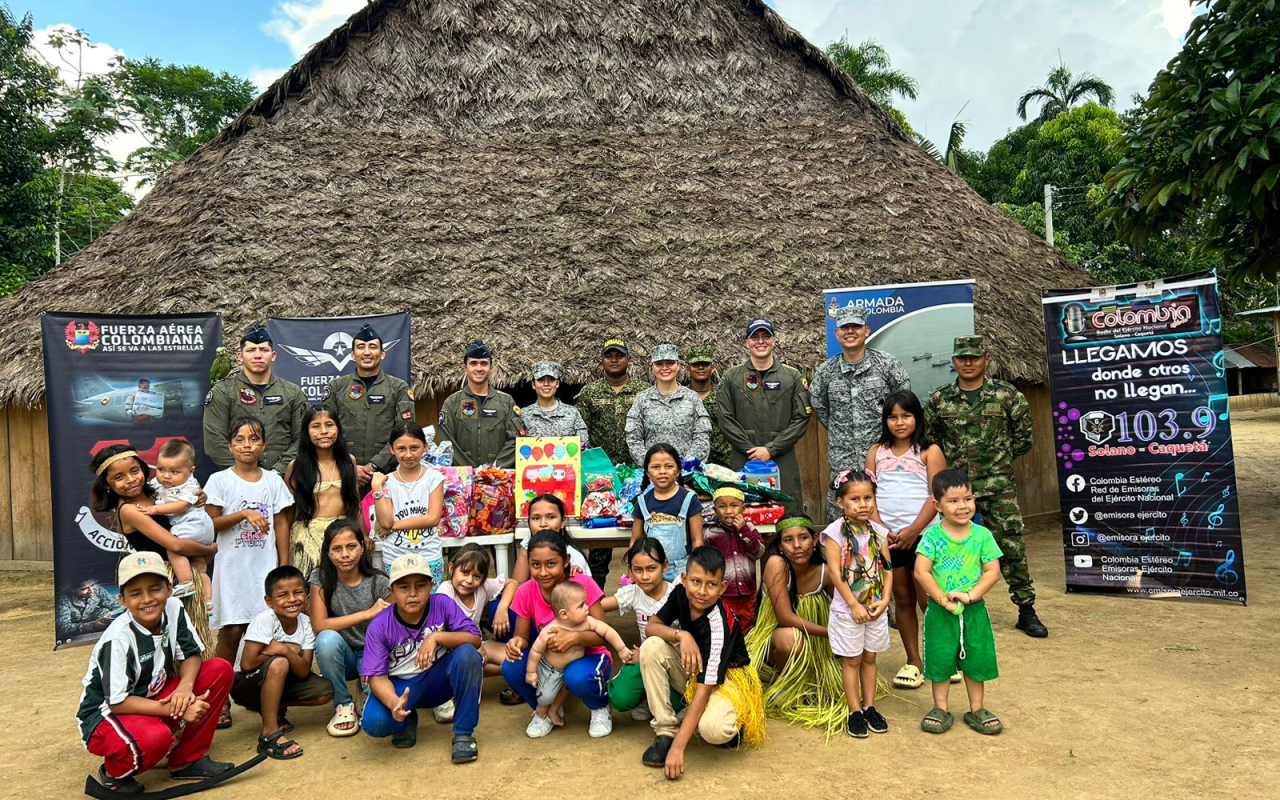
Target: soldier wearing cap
(603, 405)
(367, 404)
(700, 361)
(849, 391)
(278, 403)
(549, 416)
(668, 412)
(481, 421)
(982, 425)
(764, 409)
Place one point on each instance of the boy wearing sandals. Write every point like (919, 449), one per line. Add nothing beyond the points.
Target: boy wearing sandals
(957, 563)
(421, 653)
(147, 683)
(274, 663)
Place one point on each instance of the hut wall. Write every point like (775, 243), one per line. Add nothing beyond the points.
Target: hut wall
(1253, 402)
(26, 509)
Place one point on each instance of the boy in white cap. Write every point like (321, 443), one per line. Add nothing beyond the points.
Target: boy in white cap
(147, 683)
(668, 412)
(549, 416)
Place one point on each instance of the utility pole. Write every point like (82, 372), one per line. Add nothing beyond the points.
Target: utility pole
(1048, 213)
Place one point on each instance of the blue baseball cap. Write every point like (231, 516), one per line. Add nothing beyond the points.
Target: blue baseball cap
(759, 324)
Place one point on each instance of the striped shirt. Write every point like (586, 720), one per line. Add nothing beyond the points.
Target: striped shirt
(717, 632)
(131, 661)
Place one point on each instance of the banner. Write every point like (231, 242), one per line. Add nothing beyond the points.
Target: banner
(915, 322)
(113, 379)
(311, 351)
(1146, 471)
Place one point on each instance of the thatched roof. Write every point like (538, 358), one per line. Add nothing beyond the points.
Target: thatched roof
(547, 173)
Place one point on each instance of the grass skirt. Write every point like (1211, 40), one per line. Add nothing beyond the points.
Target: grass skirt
(741, 688)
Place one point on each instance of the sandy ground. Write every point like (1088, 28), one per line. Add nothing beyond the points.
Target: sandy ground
(1127, 697)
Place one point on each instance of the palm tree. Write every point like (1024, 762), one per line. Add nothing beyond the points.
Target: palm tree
(1064, 90)
(869, 65)
(954, 157)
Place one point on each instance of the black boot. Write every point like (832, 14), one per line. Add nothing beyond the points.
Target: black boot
(1030, 624)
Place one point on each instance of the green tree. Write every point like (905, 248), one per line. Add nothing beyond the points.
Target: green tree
(1063, 91)
(871, 68)
(176, 108)
(955, 157)
(1202, 148)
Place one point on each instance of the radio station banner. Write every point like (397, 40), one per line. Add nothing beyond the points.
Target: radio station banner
(311, 351)
(113, 379)
(916, 322)
(1146, 471)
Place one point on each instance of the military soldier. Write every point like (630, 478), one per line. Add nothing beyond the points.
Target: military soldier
(701, 364)
(275, 401)
(848, 392)
(367, 404)
(550, 417)
(604, 404)
(764, 409)
(668, 412)
(482, 422)
(982, 425)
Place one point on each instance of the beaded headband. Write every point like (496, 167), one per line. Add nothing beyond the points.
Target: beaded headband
(113, 459)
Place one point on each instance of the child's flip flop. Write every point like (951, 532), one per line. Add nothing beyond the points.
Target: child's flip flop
(937, 721)
(908, 677)
(984, 722)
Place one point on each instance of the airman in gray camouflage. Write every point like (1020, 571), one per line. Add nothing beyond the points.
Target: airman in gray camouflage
(668, 412)
(848, 393)
(554, 418)
(982, 425)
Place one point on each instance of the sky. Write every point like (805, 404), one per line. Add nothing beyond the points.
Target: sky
(972, 58)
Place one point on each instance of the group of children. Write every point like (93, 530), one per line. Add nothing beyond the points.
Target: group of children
(414, 638)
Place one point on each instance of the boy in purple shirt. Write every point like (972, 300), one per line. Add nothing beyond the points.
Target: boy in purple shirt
(421, 653)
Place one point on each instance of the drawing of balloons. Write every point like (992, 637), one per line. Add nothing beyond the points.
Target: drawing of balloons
(573, 449)
(525, 450)
(559, 451)
(549, 449)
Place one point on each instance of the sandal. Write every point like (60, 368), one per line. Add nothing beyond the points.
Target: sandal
(184, 590)
(343, 712)
(959, 676)
(984, 722)
(224, 716)
(937, 721)
(274, 745)
(464, 749)
(285, 725)
(508, 697)
(201, 769)
(908, 677)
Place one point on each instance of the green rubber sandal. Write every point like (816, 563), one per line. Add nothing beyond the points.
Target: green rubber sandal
(937, 721)
(984, 722)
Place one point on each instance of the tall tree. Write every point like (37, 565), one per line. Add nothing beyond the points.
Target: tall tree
(1064, 90)
(1203, 143)
(871, 68)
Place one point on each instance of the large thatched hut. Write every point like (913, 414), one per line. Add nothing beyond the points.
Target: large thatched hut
(543, 174)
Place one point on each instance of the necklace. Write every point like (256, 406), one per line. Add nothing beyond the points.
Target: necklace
(418, 474)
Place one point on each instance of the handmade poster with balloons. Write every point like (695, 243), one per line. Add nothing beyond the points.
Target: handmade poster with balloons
(548, 465)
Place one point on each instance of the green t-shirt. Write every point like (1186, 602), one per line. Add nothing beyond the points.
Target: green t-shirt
(957, 566)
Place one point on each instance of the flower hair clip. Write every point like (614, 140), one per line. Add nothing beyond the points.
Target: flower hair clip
(841, 478)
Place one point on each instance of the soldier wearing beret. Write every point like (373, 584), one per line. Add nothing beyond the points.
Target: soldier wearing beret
(982, 425)
(482, 422)
(549, 416)
(764, 409)
(367, 404)
(278, 403)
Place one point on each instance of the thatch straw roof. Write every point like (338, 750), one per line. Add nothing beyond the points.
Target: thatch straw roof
(545, 174)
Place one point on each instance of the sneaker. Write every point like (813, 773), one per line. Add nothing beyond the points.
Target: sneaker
(856, 726)
(443, 712)
(875, 720)
(601, 723)
(409, 736)
(641, 713)
(508, 697)
(539, 727)
(1030, 624)
(656, 754)
(130, 785)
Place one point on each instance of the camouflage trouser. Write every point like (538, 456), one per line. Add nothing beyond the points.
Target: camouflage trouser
(598, 559)
(1000, 514)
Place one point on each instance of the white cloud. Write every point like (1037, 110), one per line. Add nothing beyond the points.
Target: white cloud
(988, 52)
(74, 64)
(302, 23)
(262, 77)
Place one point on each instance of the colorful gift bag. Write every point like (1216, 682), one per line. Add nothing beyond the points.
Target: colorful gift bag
(493, 502)
(548, 465)
(456, 519)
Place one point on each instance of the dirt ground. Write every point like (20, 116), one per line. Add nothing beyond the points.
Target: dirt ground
(1126, 697)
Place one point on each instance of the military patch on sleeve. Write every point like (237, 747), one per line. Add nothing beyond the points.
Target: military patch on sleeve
(516, 409)
(406, 415)
(805, 383)
(208, 398)
(409, 392)
(441, 420)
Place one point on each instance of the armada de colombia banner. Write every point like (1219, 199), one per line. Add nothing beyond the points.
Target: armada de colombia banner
(311, 351)
(113, 379)
(1146, 471)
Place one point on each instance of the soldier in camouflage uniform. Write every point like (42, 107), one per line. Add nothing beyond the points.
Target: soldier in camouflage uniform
(367, 404)
(276, 402)
(555, 418)
(848, 394)
(701, 364)
(765, 410)
(481, 422)
(603, 405)
(668, 412)
(982, 425)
